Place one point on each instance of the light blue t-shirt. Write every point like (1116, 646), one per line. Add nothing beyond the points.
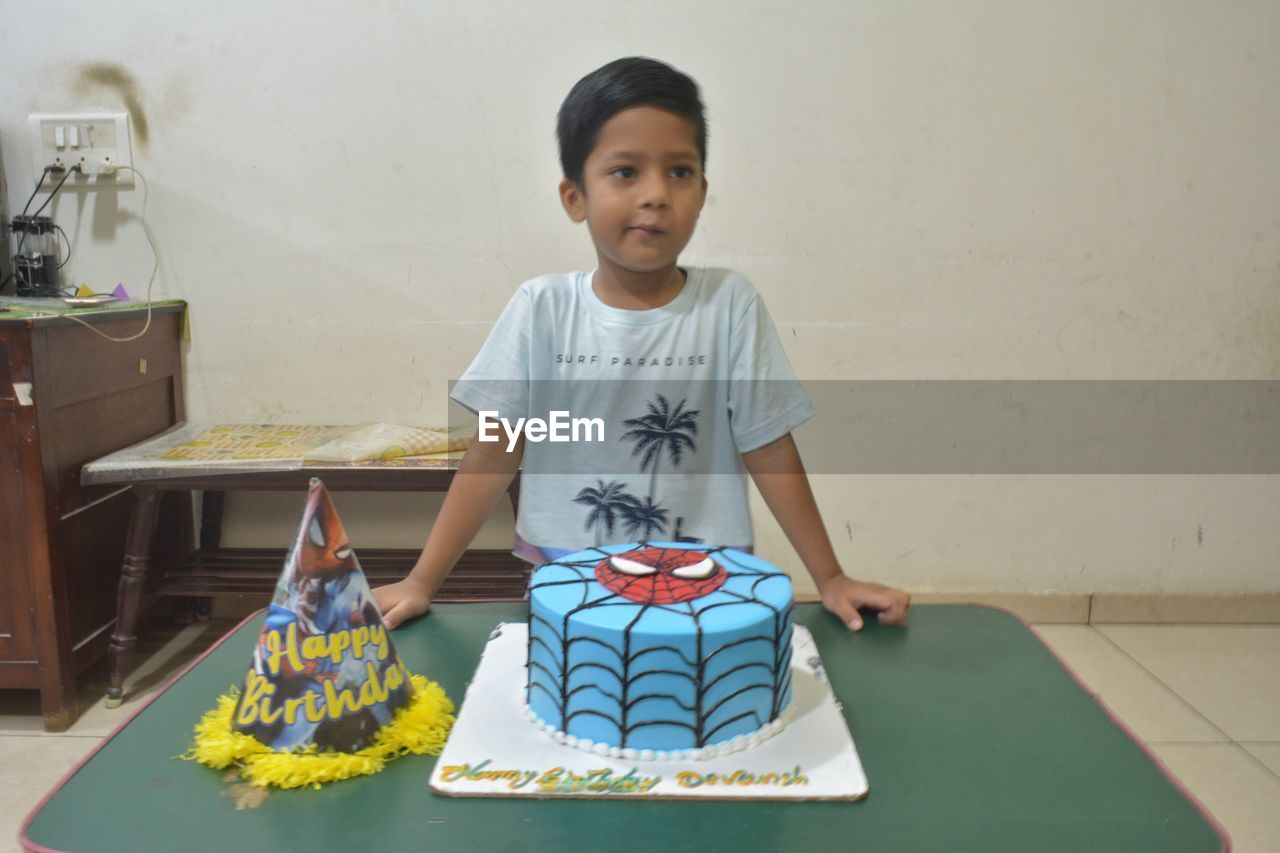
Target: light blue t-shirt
(670, 399)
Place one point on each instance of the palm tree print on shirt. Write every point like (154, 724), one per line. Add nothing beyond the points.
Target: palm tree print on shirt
(607, 502)
(663, 429)
(678, 534)
(644, 520)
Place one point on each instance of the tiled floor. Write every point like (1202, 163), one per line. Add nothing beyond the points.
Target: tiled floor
(1205, 698)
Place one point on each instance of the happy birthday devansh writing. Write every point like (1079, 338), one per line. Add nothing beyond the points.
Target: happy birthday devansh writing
(560, 780)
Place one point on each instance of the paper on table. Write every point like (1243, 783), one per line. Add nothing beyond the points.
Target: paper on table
(196, 450)
(388, 441)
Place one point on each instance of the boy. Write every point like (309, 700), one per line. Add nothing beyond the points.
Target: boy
(684, 363)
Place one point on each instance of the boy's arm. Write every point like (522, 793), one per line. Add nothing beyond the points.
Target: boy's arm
(485, 473)
(779, 474)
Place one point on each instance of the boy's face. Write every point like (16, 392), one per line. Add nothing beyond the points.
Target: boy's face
(642, 190)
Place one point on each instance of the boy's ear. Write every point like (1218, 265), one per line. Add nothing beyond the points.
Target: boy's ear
(574, 200)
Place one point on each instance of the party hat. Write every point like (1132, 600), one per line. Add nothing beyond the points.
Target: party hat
(326, 695)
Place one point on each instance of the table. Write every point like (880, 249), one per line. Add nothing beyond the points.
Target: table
(972, 734)
(211, 569)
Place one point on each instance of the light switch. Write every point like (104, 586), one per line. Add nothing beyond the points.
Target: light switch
(64, 140)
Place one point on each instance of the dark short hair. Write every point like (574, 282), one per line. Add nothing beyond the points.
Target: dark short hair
(634, 81)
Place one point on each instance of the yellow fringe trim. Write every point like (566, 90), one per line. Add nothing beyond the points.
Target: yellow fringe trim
(418, 728)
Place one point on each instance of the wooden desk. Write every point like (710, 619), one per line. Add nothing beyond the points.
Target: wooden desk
(211, 569)
(972, 734)
(67, 396)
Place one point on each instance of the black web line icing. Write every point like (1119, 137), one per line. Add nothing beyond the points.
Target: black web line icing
(776, 680)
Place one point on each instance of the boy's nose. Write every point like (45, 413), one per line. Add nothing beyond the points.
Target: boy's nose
(654, 191)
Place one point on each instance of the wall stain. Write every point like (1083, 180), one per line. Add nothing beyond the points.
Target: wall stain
(107, 75)
(176, 102)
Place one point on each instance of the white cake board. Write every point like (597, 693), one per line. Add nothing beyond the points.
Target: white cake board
(494, 750)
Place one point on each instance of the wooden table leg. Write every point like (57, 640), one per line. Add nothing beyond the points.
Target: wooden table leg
(133, 575)
(211, 504)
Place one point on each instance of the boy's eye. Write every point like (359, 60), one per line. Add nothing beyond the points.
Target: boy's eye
(682, 172)
(625, 172)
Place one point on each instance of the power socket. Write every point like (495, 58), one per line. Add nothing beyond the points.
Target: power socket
(98, 167)
(96, 142)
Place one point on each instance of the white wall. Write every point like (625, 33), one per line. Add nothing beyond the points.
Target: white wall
(347, 193)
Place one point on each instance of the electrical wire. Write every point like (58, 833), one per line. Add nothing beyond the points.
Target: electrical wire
(25, 208)
(39, 184)
(41, 208)
(155, 268)
(68, 241)
(23, 238)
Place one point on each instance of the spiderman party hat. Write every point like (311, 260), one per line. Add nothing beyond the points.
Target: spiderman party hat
(326, 695)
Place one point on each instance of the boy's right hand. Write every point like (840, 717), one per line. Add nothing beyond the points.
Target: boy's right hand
(400, 602)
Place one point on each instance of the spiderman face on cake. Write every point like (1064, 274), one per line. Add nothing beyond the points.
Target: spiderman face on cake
(661, 575)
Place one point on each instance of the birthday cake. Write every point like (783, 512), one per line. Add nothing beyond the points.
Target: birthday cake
(659, 650)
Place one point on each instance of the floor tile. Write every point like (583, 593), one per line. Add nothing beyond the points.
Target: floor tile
(1149, 708)
(1267, 753)
(29, 768)
(162, 653)
(153, 672)
(1244, 797)
(1228, 673)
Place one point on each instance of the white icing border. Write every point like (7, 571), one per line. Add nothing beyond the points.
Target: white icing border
(734, 744)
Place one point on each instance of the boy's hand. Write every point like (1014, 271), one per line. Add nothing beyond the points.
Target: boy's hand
(400, 602)
(843, 596)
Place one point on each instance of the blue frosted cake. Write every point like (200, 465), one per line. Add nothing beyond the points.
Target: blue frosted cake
(659, 650)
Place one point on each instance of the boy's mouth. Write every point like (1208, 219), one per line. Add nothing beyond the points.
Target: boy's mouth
(648, 230)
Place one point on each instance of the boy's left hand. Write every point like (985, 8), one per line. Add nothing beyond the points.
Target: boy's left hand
(843, 596)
